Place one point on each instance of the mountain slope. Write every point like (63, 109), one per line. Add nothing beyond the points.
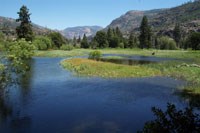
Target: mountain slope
(8, 26)
(80, 31)
(162, 20)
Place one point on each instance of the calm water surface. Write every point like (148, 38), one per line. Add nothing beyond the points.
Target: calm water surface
(52, 100)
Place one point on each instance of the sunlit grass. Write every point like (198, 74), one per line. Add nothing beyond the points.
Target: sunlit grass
(88, 67)
(62, 53)
(175, 69)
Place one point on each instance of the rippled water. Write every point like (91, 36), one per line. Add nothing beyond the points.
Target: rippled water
(52, 100)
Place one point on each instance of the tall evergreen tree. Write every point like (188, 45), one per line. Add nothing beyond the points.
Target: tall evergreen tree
(24, 30)
(131, 41)
(101, 39)
(177, 34)
(84, 42)
(74, 41)
(119, 34)
(145, 34)
(79, 39)
(157, 45)
(110, 35)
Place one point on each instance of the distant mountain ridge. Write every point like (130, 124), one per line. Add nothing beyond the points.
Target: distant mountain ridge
(72, 32)
(8, 26)
(162, 20)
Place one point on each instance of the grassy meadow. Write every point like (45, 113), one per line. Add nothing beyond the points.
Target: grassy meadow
(187, 70)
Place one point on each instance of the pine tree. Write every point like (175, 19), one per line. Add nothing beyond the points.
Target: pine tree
(24, 30)
(79, 39)
(177, 34)
(74, 41)
(145, 34)
(157, 45)
(110, 35)
(84, 42)
(131, 41)
(101, 39)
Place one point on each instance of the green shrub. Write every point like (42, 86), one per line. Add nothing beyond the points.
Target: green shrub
(167, 43)
(95, 55)
(19, 52)
(42, 43)
(67, 47)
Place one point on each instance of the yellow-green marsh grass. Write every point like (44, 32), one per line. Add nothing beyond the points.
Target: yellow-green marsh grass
(89, 67)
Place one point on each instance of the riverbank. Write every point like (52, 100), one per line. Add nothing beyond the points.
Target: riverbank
(184, 70)
(187, 71)
(181, 54)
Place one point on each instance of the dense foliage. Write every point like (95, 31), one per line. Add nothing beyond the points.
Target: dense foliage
(173, 121)
(42, 43)
(84, 42)
(95, 55)
(166, 43)
(57, 39)
(25, 28)
(19, 52)
(194, 41)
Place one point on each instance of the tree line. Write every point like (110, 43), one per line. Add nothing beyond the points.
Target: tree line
(113, 38)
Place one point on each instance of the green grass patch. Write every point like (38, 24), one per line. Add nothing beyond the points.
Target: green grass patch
(62, 53)
(176, 69)
(89, 67)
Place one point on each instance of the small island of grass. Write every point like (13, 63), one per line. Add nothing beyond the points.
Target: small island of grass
(87, 67)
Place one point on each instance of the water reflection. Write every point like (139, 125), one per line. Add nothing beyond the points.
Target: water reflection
(50, 99)
(17, 89)
(126, 61)
(191, 98)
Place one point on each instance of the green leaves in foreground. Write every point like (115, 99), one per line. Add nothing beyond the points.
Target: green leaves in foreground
(19, 52)
(173, 121)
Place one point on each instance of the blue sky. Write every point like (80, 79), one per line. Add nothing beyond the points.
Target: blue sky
(59, 14)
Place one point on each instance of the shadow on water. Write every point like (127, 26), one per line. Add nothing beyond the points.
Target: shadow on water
(126, 61)
(10, 112)
(191, 98)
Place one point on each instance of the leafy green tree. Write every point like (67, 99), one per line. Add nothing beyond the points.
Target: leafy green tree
(145, 34)
(167, 43)
(114, 42)
(101, 39)
(194, 41)
(24, 30)
(57, 39)
(84, 42)
(177, 34)
(173, 121)
(19, 52)
(94, 44)
(42, 43)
